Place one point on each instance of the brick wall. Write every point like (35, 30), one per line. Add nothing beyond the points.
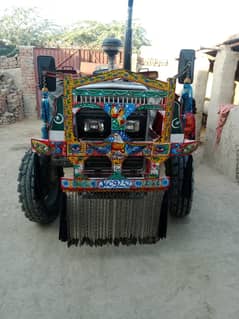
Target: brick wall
(28, 81)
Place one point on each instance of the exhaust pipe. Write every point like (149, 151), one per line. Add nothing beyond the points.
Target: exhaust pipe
(128, 38)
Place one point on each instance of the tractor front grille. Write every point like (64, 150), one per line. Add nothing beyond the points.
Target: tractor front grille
(101, 167)
(134, 166)
(97, 167)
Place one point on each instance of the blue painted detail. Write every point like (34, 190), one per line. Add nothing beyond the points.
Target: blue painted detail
(45, 114)
(165, 182)
(58, 148)
(147, 151)
(93, 184)
(175, 148)
(138, 183)
(130, 149)
(107, 108)
(45, 108)
(123, 135)
(89, 151)
(65, 183)
(74, 183)
(99, 149)
(75, 148)
(187, 99)
(110, 139)
(129, 109)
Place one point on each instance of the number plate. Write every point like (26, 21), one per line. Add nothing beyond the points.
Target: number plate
(115, 183)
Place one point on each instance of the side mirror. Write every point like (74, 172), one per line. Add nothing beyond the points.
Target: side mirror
(186, 65)
(46, 64)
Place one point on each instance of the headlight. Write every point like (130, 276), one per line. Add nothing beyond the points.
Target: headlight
(132, 126)
(136, 125)
(94, 125)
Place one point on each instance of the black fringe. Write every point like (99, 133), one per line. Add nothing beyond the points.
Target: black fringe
(187, 182)
(163, 220)
(63, 220)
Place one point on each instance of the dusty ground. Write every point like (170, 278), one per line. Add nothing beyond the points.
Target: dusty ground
(194, 274)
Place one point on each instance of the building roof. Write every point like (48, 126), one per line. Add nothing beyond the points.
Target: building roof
(233, 42)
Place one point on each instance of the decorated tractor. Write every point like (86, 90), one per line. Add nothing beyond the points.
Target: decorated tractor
(114, 158)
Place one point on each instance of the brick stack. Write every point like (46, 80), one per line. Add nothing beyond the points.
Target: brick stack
(9, 63)
(11, 100)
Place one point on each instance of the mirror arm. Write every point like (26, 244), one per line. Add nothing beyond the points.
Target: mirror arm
(185, 71)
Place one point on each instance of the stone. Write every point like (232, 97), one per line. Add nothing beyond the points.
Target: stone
(11, 100)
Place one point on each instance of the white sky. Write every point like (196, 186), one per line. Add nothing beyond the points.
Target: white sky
(170, 25)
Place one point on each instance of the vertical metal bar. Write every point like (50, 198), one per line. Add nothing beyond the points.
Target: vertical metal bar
(128, 38)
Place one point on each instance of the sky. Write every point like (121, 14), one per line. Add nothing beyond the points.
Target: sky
(170, 25)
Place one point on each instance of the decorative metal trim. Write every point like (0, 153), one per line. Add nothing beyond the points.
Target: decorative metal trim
(124, 75)
(119, 93)
(98, 185)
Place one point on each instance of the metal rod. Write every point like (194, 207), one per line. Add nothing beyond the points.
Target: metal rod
(128, 38)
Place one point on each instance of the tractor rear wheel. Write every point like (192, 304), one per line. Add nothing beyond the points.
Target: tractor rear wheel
(180, 193)
(39, 188)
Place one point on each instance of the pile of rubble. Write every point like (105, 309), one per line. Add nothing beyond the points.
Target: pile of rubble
(9, 63)
(11, 100)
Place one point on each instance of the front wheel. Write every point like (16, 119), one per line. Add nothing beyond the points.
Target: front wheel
(39, 188)
(180, 193)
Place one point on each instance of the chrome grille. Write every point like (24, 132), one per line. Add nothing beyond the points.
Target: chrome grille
(112, 99)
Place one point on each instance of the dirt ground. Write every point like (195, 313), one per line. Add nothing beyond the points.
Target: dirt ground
(194, 274)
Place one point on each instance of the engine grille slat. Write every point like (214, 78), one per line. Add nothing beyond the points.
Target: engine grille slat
(114, 99)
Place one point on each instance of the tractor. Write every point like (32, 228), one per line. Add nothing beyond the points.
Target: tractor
(113, 160)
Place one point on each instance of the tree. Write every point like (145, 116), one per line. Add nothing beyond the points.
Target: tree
(90, 34)
(20, 26)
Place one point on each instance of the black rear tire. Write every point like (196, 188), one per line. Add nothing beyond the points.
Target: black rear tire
(180, 193)
(39, 188)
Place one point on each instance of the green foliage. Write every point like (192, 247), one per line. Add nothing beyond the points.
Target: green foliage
(20, 26)
(90, 34)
